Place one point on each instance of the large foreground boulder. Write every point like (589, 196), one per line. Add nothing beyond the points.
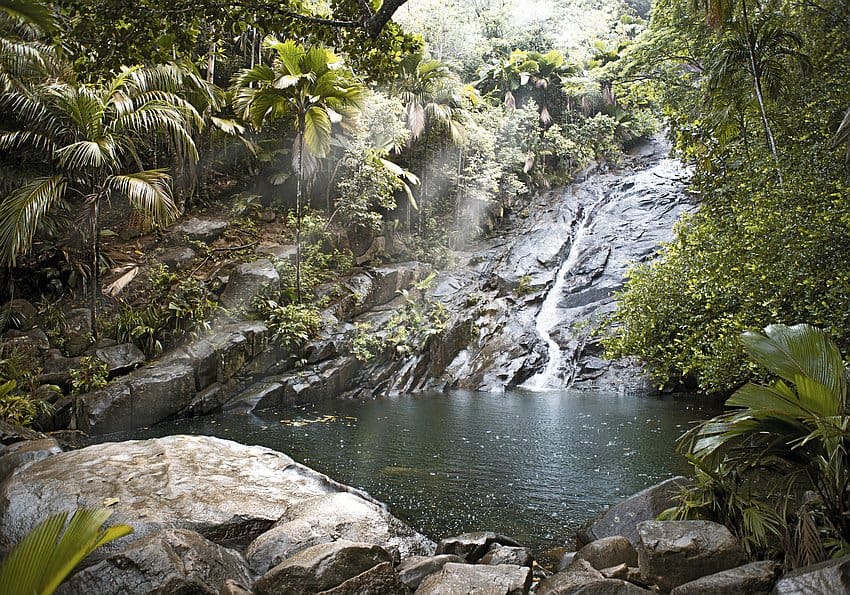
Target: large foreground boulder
(672, 553)
(623, 518)
(174, 561)
(227, 492)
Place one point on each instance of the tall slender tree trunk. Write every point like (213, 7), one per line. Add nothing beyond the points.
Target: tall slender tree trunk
(461, 191)
(423, 196)
(298, 200)
(94, 290)
(754, 70)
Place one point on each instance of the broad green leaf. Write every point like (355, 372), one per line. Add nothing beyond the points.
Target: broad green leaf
(799, 350)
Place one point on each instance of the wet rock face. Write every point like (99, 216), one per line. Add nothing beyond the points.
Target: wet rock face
(225, 491)
(600, 227)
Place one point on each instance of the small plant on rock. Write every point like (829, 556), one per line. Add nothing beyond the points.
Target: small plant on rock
(365, 344)
(91, 375)
(290, 325)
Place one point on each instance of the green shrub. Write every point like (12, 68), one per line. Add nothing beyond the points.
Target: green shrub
(365, 343)
(19, 379)
(90, 375)
(290, 325)
(776, 467)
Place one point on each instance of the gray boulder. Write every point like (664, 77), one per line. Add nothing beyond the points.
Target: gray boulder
(473, 546)
(16, 456)
(378, 580)
(581, 577)
(827, 578)
(26, 311)
(173, 561)
(78, 332)
(249, 280)
(622, 518)
(11, 434)
(576, 575)
(672, 553)
(565, 561)
(33, 341)
(121, 358)
(467, 578)
(177, 257)
(753, 579)
(285, 252)
(609, 551)
(57, 368)
(413, 570)
(608, 586)
(505, 554)
(326, 518)
(142, 398)
(228, 492)
(201, 230)
(321, 567)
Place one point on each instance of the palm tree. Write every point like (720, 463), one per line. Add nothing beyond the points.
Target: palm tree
(430, 92)
(757, 47)
(88, 144)
(309, 88)
(24, 57)
(797, 427)
(762, 50)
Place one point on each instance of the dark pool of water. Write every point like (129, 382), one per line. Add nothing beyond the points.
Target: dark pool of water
(534, 466)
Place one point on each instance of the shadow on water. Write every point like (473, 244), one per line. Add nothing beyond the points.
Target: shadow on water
(533, 466)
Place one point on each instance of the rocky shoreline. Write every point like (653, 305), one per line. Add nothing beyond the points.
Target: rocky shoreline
(214, 516)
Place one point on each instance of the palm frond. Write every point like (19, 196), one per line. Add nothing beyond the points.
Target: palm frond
(43, 559)
(800, 350)
(21, 213)
(149, 192)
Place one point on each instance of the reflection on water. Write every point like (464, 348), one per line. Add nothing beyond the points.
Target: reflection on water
(533, 466)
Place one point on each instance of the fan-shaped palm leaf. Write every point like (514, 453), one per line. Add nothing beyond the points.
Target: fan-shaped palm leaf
(799, 351)
(43, 559)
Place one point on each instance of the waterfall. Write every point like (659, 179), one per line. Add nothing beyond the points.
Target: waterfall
(548, 317)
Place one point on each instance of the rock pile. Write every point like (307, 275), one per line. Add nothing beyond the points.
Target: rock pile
(214, 516)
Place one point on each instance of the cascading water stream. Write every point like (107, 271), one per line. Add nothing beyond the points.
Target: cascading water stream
(548, 317)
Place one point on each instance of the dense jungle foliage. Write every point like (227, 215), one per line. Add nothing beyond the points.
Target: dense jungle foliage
(755, 94)
(327, 126)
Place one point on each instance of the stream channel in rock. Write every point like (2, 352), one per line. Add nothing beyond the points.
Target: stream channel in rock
(521, 426)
